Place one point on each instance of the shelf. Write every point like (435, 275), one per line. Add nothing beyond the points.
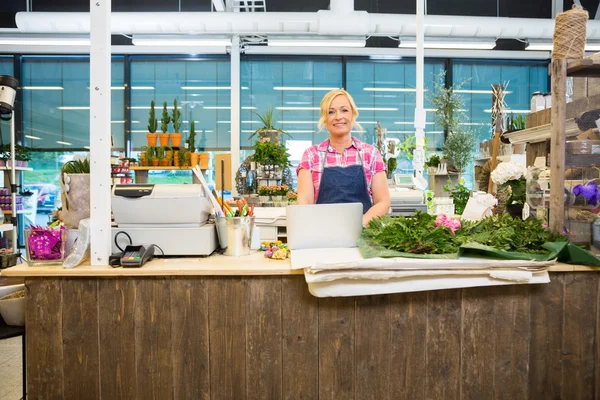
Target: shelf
(5, 168)
(542, 133)
(161, 168)
(586, 67)
(6, 227)
(6, 212)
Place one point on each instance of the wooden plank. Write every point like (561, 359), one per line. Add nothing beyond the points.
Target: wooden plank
(116, 319)
(545, 342)
(511, 337)
(535, 150)
(43, 318)
(337, 373)
(408, 313)
(81, 364)
(227, 331)
(578, 358)
(477, 348)
(557, 143)
(154, 362)
(300, 335)
(443, 340)
(597, 341)
(372, 338)
(189, 315)
(263, 346)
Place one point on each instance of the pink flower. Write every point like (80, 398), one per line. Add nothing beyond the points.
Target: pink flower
(444, 220)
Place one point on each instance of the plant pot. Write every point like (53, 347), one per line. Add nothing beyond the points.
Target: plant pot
(144, 162)
(175, 139)
(169, 154)
(263, 199)
(164, 139)
(432, 170)
(164, 163)
(176, 161)
(194, 159)
(155, 162)
(152, 138)
(276, 198)
(204, 160)
(515, 210)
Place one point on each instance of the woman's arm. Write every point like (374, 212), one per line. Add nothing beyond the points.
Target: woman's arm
(306, 190)
(381, 198)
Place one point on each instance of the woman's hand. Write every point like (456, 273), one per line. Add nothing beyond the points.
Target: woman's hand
(381, 198)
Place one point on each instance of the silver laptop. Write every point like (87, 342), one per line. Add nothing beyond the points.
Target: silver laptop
(315, 226)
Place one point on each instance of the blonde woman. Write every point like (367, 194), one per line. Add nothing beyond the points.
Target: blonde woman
(342, 169)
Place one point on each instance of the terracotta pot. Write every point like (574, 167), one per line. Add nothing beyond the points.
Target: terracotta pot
(152, 138)
(176, 161)
(144, 162)
(155, 162)
(169, 154)
(164, 139)
(175, 139)
(165, 163)
(204, 160)
(194, 159)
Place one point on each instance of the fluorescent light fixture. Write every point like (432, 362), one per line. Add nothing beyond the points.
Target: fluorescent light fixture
(304, 88)
(455, 43)
(226, 108)
(411, 123)
(143, 88)
(297, 108)
(86, 147)
(223, 122)
(206, 87)
(385, 57)
(42, 88)
(374, 89)
(316, 41)
(147, 107)
(475, 91)
(201, 130)
(298, 122)
(592, 46)
(181, 40)
(45, 40)
(377, 109)
(300, 131)
(117, 122)
(367, 122)
(252, 122)
(73, 108)
(489, 111)
(64, 143)
(33, 137)
(139, 131)
(540, 46)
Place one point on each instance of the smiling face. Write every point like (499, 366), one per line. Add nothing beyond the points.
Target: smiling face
(339, 116)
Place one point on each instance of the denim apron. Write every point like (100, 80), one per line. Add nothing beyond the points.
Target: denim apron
(344, 184)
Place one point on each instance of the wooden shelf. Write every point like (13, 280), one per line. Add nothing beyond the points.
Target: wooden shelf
(5, 168)
(6, 212)
(586, 67)
(541, 133)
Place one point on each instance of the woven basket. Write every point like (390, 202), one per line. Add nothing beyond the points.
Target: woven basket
(570, 34)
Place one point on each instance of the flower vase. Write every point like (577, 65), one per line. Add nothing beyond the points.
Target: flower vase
(45, 246)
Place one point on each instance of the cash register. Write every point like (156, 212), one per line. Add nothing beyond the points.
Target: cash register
(174, 217)
(405, 196)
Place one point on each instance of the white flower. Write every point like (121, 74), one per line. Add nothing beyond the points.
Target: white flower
(507, 171)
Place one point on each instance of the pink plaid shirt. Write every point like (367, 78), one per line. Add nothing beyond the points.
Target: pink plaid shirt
(312, 160)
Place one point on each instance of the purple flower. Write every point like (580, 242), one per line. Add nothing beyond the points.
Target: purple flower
(589, 191)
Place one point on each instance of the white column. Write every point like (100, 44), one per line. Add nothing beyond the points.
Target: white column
(100, 130)
(235, 110)
(420, 118)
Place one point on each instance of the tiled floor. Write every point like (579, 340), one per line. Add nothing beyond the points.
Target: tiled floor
(11, 372)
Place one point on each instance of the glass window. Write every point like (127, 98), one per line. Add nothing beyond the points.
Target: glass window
(56, 102)
(6, 68)
(385, 92)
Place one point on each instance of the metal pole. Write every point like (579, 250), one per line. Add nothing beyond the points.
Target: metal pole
(235, 110)
(13, 189)
(100, 142)
(420, 116)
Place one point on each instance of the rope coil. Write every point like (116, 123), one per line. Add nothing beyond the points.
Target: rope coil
(570, 34)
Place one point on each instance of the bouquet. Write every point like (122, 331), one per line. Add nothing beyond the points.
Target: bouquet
(511, 176)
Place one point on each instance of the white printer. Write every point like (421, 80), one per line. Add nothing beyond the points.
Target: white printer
(171, 216)
(405, 197)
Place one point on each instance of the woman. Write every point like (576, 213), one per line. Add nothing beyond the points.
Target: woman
(342, 169)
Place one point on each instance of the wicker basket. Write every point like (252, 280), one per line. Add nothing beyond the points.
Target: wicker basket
(570, 34)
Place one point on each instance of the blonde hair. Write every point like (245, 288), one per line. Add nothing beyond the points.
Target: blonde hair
(326, 103)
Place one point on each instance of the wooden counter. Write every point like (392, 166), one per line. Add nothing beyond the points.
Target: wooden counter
(100, 333)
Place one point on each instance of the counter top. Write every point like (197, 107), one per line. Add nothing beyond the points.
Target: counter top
(218, 265)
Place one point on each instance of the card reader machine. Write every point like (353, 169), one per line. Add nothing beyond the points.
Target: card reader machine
(136, 256)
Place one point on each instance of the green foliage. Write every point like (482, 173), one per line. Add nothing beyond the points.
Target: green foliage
(460, 194)
(392, 164)
(448, 104)
(181, 157)
(77, 166)
(22, 153)
(408, 146)
(271, 153)
(150, 153)
(191, 141)
(420, 235)
(517, 123)
(160, 153)
(458, 149)
(417, 234)
(268, 120)
(176, 117)
(152, 121)
(164, 122)
(517, 189)
(433, 161)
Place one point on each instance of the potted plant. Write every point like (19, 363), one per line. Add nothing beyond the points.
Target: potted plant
(75, 192)
(392, 164)
(191, 140)
(460, 195)
(151, 156)
(22, 156)
(292, 196)
(143, 159)
(263, 193)
(510, 178)
(275, 194)
(458, 149)
(180, 159)
(164, 126)
(152, 136)
(432, 164)
(273, 158)
(176, 136)
(160, 155)
(267, 132)
(4, 154)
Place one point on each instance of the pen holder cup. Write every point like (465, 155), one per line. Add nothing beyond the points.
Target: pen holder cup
(235, 234)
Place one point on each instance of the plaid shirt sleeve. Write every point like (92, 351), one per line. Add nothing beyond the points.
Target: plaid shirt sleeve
(306, 161)
(377, 165)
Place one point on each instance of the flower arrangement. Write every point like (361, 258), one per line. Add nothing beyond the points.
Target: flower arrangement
(292, 196)
(448, 222)
(275, 250)
(264, 190)
(589, 191)
(281, 190)
(511, 175)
